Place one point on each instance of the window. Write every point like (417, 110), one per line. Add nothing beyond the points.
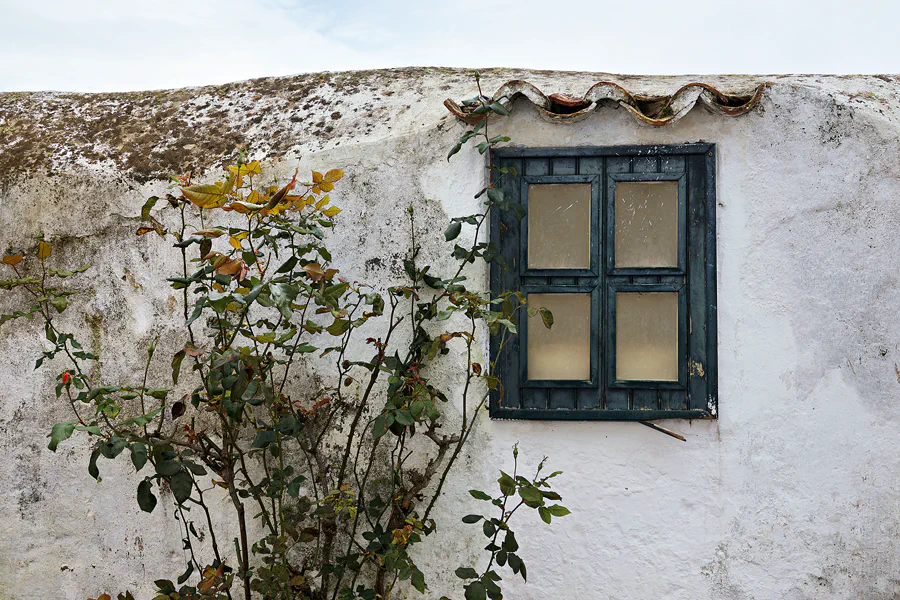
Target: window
(619, 244)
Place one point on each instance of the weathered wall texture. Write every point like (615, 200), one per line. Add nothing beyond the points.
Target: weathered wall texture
(793, 493)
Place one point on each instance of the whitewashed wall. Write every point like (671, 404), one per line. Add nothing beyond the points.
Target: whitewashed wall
(792, 493)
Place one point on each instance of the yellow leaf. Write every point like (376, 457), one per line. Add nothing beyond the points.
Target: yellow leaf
(44, 250)
(252, 168)
(229, 184)
(326, 186)
(14, 259)
(317, 177)
(314, 270)
(236, 207)
(253, 198)
(213, 233)
(141, 231)
(235, 243)
(322, 202)
(331, 211)
(204, 196)
(333, 175)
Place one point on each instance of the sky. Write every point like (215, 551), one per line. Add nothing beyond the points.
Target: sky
(126, 45)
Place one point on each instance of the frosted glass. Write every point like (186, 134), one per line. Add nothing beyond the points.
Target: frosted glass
(646, 224)
(647, 336)
(564, 351)
(559, 226)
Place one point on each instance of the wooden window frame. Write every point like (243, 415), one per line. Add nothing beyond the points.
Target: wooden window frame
(695, 394)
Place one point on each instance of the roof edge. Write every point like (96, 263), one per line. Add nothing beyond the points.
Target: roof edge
(651, 110)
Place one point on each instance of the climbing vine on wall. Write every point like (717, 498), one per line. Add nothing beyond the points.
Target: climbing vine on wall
(333, 481)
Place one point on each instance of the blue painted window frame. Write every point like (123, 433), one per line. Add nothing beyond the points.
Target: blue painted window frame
(603, 397)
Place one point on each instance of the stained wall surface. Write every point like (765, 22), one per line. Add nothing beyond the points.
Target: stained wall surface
(792, 493)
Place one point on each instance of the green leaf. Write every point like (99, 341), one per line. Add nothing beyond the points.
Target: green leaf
(263, 439)
(471, 519)
(288, 265)
(89, 428)
(184, 576)
(500, 110)
(507, 484)
(531, 495)
(558, 511)
(476, 591)
(147, 207)
(93, 471)
(59, 433)
(176, 365)
(495, 195)
(479, 495)
(488, 528)
(138, 455)
(454, 150)
(509, 542)
(59, 304)
(547, 317)
(466, 573)
(418, 581)
(404, 417)
(158, 393)
(379, 426)
(146, 499)
(453, 231)
(181, 484)
(167, 467)
(112, 447)
(339, 327)
(518, 210)
(545, 514)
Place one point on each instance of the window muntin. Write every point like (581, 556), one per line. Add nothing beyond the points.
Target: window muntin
(665, 198)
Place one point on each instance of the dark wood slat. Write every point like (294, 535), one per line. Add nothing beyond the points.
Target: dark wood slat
(696, 222)
(537, 166)
(712, 330)
(534, 280)
(618, 165)
(673, 399)
(663, 150)
(617, 399)
(645, 164)
(505, 229)
(588, 399)
(534, 398)
(672, 164)
(562, 398)
(563, 280)
(645, 399)
(564, 166)
(590, 165)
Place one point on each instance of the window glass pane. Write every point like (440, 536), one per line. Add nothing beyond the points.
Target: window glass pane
(646, 224)
(559, 226)
(564, 351)
(647, 336)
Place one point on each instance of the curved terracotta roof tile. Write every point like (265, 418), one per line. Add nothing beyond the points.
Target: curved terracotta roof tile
(652, 110)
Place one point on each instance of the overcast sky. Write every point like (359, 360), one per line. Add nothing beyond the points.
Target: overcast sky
(119, 45)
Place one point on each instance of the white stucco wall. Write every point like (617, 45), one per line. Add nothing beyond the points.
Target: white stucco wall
(792, 493)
